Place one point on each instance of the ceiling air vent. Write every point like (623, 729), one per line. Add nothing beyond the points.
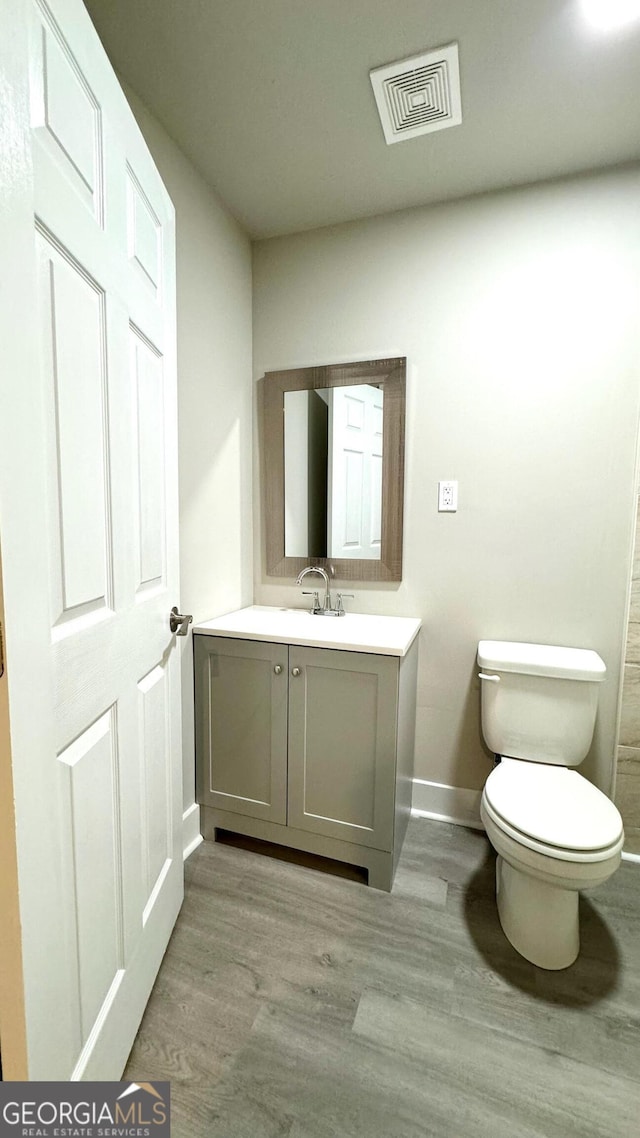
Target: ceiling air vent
(418, 95)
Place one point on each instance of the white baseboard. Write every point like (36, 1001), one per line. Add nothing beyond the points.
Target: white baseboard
(446, 803)
(191, 836)
(632, 857)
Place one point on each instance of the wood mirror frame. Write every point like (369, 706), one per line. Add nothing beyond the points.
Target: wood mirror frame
(390, 375)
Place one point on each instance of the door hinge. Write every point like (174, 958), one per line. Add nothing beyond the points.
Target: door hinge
(1, 651)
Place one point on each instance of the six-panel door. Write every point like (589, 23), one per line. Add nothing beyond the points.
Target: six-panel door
(241, 726)
(342, 744)
(88, 485)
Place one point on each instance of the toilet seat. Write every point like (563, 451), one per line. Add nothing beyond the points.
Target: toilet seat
(553, 810)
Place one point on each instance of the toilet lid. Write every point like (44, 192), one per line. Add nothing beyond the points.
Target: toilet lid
(555, 805)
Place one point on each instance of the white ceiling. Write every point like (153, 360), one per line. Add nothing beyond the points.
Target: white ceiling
(271, 99)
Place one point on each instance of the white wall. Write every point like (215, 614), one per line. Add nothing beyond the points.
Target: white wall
(518, 313)
(214, 403)
(296, 473)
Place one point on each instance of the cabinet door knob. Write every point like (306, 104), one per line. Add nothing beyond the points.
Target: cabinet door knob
(277, 669)
(295, 671)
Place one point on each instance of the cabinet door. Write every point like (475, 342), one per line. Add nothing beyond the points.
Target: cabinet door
(241, 726)
(342, 744)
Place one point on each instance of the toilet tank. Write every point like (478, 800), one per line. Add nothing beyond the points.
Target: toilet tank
(539, 701)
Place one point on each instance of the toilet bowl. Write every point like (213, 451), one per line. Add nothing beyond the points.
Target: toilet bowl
(546, 856)
(553, 831)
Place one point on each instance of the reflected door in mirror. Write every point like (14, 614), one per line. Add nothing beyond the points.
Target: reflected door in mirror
(333, 472)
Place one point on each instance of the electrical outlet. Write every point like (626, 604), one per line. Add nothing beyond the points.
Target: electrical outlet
(447, 496)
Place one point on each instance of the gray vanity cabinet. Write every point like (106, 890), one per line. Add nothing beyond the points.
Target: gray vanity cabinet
(342, 741)
(310, 748)
(241, 726)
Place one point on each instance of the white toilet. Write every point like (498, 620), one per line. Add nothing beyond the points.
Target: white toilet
(554, 832)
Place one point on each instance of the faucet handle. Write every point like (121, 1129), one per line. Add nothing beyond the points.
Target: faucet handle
(316, 597)
(339, 599)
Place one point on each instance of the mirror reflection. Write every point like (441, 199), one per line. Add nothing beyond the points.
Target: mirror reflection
(333, 472)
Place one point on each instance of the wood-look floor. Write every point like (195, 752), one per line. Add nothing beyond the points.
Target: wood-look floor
(296, 1004)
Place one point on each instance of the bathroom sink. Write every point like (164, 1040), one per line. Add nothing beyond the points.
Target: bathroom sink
(354, 632)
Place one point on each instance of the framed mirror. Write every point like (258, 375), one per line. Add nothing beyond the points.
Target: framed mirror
(333, 443)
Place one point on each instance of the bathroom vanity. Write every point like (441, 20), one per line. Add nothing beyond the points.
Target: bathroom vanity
(305, 731)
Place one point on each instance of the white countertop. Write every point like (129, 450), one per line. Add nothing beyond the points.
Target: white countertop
(355, 632)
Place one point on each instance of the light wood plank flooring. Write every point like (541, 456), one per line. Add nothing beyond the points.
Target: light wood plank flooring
(296, 1004)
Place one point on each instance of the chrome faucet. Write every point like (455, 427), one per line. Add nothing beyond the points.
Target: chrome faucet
(326, 607)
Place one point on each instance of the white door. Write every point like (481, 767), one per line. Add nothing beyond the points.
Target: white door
(355, 471)
(88, 518)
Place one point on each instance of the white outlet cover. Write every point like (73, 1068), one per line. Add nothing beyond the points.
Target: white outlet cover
(447, 496)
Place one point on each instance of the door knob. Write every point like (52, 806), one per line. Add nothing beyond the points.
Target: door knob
(179, 623)
(277, 669)
(295, 671)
